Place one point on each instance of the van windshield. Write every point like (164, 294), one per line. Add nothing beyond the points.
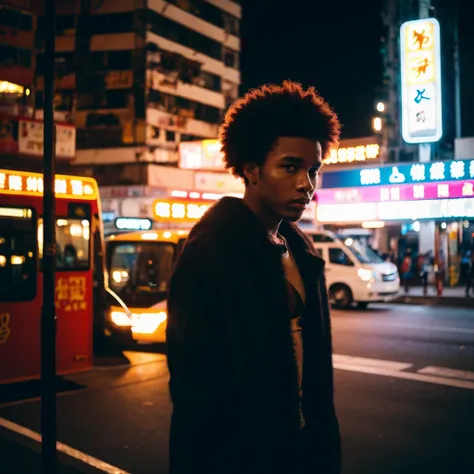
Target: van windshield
(361, 252)
(140, 272)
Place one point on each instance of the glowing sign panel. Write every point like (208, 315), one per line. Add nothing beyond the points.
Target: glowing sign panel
(31, 184)
(410, 173)
(403, 192)
(421, 81)
(179, 211)
(353, 154)
(132, 223)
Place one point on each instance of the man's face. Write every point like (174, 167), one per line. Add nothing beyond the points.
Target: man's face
(286, 183)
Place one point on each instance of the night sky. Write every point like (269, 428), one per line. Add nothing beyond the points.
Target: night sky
(331, 45)
(334, 46)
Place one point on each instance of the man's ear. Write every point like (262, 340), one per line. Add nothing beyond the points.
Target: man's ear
(251, 173)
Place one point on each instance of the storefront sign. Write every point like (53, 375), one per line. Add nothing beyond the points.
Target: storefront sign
(30, 139)
(417, 173)
(178, 211)
(404, 192)
(421, 81)
(353, 154)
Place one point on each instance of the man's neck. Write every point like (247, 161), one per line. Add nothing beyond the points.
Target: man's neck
(270, 222)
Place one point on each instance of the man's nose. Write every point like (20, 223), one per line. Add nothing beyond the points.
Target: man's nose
(305, 183)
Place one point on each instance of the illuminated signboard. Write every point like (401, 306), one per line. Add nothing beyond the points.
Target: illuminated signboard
(403, 192)
(352, 154)
(421, 81)
(31, 184)
(399, 210)
(201, 155)
(133, 223)
(179, 211)
(432, 172)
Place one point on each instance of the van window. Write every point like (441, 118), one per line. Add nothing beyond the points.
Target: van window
(339, 257)
(317, 238)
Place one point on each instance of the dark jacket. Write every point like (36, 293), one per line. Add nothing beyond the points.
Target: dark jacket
(233, 377)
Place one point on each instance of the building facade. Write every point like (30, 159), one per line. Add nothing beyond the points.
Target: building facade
(138, 77)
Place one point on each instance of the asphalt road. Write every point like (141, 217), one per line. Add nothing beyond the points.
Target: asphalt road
(404, 394)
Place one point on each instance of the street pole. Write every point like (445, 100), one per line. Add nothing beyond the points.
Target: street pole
(457, 70)
(48, 316)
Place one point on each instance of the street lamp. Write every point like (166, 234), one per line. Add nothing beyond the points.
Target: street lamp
(380, 107)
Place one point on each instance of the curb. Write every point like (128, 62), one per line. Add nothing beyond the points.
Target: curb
(435, 301)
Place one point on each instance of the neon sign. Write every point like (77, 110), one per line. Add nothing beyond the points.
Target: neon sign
(353, 153)
(404, 192)
(179, 211)
(132, 223)
(31, 184)
(407, 174)
(421, 81)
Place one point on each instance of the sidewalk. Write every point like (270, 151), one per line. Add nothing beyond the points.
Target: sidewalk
(18, 459)
(451, 296)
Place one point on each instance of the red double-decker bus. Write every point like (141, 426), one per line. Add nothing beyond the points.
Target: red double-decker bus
(81, 292)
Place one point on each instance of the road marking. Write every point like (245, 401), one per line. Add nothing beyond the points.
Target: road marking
(386, 364)
(378, 370)
(445, 372)
(64, 448)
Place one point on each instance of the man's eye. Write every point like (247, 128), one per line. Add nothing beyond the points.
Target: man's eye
(290, 168)
(313, 172)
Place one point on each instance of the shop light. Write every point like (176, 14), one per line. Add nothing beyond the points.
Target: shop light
(373, 224)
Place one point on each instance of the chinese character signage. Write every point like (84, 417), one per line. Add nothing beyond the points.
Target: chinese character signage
(353, 154)
(30, 139)
(421, 81)
(417, 173)
(179, 211)
(31, 184)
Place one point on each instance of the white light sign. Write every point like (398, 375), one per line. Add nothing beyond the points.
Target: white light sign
(421, 81)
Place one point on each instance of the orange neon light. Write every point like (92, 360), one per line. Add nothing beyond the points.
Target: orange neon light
(31, 184)
(179, 211)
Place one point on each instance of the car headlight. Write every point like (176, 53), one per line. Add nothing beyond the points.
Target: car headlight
(120, 318)
(366, 275)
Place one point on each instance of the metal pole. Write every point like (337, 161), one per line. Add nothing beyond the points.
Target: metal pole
(457, 70)
(48, 316)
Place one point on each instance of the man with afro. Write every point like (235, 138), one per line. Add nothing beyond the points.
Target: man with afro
(249, 333)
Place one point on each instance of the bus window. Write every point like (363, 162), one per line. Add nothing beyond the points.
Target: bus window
(72, 243)
(17, 254)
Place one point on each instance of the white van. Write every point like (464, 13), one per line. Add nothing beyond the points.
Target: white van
(355, 274)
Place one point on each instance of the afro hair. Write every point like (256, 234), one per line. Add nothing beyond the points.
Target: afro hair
(254, 122)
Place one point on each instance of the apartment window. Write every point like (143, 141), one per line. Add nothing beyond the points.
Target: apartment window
(15, 19)
(97, 60)
(230, 58)
(170, 136)
(65, 22)
(119, 60)
(231, 24)
(110, 23)
(180, 34)
(116, 98)
(208, 81)
(12, 56)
